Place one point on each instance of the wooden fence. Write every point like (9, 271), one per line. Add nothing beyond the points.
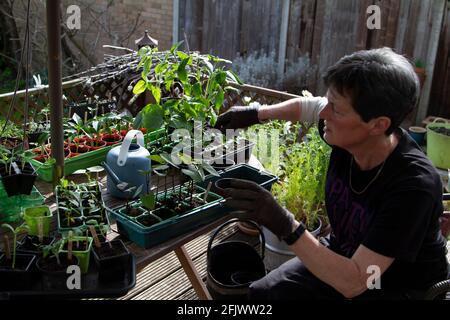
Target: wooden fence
(323, 29)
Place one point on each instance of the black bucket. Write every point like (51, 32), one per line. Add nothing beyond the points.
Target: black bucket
(233, 265)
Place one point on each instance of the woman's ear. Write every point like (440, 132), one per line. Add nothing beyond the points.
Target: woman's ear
(379, 125)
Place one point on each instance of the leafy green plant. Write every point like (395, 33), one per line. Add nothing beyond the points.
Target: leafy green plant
(185, 87)
(302, 191)
(53, 248)
(15, 232)
(11, 130)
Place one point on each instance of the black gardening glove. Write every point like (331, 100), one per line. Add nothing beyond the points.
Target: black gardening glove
(238, 118)
(259, 205)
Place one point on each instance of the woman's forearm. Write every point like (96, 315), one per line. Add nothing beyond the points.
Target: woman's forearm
(294, 110)
(287, 110)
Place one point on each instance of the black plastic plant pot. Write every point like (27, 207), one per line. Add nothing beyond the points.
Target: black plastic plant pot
(11, 184)
(244, 172)
(19, 278)
(31, 244)
(27, 183)
(53, 275)
(112, 260)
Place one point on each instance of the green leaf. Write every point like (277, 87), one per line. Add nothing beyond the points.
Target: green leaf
(181, 71)
(184, 158)
(160, 68)
(139, 87)
(182, 55)
(197, 90)
(153, 117)
(156, 92)
(219, 99)
(168, 158)
(147, 66)
(182, 75)
(192, 174)
(170, 104)
(210, 169)
(234, 77)
(157, 158)
(149, 201)
(137, 123)
(213, 119)
(175, 47)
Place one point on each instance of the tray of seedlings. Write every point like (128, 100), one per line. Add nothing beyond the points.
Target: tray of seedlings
(170, 211)
(72, 267)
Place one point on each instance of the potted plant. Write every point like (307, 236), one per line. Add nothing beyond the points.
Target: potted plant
(81, 248)
(302, 191)
(53, 266)
(18, 175)
(112, 258)
(16, 268)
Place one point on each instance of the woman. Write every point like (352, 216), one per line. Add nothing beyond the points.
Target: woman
(383, 196)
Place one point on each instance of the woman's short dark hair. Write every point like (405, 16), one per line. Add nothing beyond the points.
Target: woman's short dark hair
(379, 83)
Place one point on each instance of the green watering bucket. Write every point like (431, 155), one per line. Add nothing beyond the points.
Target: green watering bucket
(438, 143)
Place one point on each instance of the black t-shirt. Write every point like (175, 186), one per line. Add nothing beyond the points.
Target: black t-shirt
(396, 216)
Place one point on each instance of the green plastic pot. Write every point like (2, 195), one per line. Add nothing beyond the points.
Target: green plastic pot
(83, 256)
(35, 215)
(438, 145)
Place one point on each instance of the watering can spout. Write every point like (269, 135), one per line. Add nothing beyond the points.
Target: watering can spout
(119, 184)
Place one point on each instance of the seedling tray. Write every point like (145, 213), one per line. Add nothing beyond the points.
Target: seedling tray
(91, 287)
(244, 172)
(147, 237)
(85, 160)
(239, 153)
(84, 217)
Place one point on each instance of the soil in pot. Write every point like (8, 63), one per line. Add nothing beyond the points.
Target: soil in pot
(77, 245)
(132, 211)
(148, 220)
(164, 213)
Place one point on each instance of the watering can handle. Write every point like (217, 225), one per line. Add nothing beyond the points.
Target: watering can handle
(123, 153)
(254, 224)
(437, 120)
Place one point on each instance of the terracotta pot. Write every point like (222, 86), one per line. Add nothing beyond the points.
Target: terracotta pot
(81, 148)
(41, 158)
(111, 138)
(79, 140)
(95, 144)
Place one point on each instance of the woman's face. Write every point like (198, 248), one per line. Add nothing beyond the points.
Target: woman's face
(344, 127)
